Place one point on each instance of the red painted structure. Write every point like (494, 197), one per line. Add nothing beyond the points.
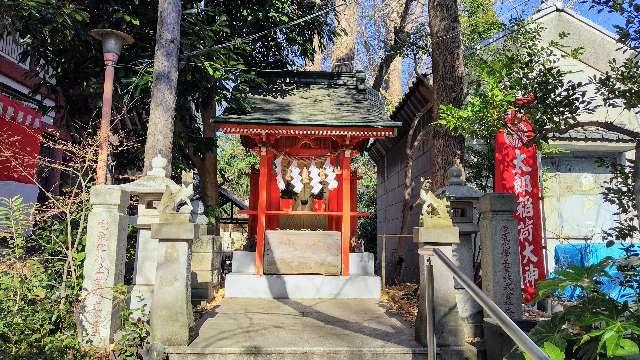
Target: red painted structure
(340, 143)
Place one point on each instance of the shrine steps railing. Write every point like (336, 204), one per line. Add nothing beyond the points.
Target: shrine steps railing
(508, 326)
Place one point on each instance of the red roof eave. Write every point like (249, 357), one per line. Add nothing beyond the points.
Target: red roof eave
(319, 131)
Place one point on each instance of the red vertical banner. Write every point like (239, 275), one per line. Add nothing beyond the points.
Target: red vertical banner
(516, 172)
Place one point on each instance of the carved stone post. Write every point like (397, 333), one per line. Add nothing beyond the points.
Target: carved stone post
(171, 313)
(104, 263)
(464, 201)
(437, 230)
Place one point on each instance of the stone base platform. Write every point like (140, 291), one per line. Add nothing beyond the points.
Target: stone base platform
(302, 286)
(336, 329)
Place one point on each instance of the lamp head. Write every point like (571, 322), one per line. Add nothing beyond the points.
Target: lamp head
(112, 40)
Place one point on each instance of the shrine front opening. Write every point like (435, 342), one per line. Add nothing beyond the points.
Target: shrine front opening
(302, 204)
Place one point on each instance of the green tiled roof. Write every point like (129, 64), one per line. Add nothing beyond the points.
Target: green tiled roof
(316, 98)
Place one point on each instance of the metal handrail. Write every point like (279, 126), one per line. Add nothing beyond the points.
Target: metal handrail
(508, 326)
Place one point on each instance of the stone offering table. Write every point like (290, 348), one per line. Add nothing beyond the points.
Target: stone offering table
(302, 252)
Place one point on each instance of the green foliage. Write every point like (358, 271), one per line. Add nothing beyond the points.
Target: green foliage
(33, 325)
(133, 335)
(218, 60)
(234, 164)
(479, 22)
(629, 10)
(14, 223)
(618, 191)
(36, 316)
(518, 64)
(479, 165)
(621, 85)
(367, 226)
(40, 285)
(288, 192)
(596, 325)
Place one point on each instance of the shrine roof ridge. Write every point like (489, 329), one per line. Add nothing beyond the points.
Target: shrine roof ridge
(313, 98)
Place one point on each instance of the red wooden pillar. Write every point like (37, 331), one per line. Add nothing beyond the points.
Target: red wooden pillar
(262, 208)
(346, 210)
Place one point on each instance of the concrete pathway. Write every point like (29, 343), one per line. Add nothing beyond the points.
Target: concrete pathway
(301, 329)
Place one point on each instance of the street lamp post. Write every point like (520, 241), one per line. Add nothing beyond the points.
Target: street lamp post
(112, 42)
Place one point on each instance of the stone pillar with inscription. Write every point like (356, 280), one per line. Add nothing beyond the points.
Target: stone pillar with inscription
(500, 255)
(104, 264)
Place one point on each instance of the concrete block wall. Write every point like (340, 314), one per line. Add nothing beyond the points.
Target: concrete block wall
(206, 269)
(390, 191)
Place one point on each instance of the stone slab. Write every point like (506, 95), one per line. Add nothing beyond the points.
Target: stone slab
(175, 231)
(436, 235)
(201, 261)
(301, 329)
(361, 264)
(497, 202)
(200, 278)
(171, 312)
(302, 252)
(243, 262)
(109, 195)
(205, 243)
(302, 286)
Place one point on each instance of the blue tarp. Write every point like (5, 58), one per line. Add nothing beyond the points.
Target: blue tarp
(589, 254)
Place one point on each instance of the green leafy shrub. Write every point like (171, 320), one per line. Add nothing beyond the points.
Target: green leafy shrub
(596, 325)
(40, 286)
(33, 324)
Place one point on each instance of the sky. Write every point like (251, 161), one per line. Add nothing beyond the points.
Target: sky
(511, 8)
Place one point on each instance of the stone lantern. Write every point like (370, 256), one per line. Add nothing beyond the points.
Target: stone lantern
(149, 190)
(464, 200)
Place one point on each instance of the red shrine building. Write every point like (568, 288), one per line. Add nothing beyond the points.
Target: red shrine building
(302, 208)
(22, 126)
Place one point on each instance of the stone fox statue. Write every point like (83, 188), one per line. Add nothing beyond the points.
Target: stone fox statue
(435, 211)
(178, 200)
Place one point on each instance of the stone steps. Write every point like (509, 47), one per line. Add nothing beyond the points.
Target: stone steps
(300, 329)
(184, 353)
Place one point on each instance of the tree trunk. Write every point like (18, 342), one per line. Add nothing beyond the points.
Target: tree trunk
(392, 85)
(165, 78)
(344, 49)
(398, 25)
(209, 167)
(448, 83)
(316, 63)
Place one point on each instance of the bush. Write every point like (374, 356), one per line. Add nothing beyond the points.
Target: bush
(40, 286)
(596, 325)
(34, 323)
